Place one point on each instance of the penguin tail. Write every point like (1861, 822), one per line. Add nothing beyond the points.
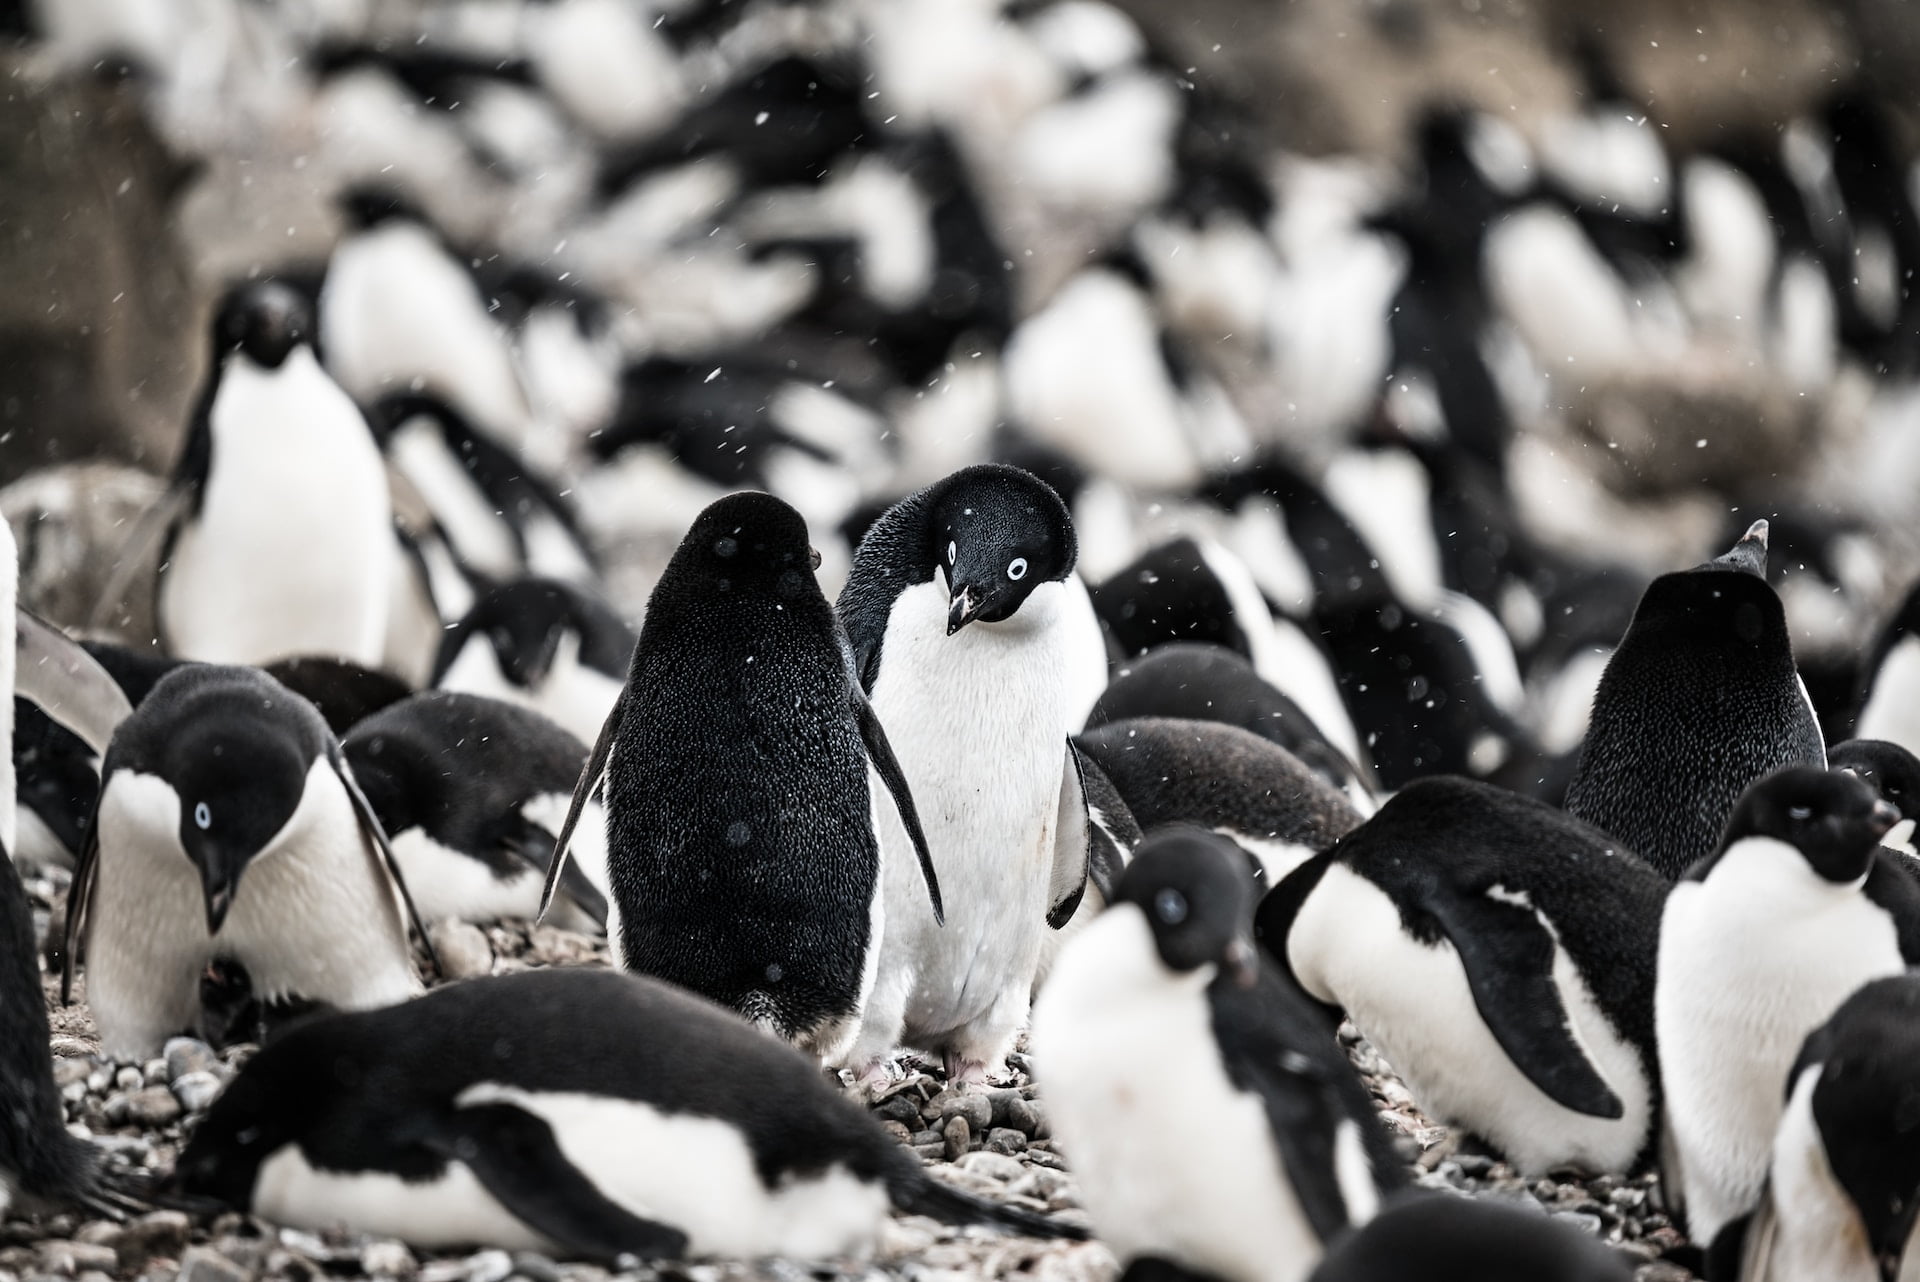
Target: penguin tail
(918, 1193)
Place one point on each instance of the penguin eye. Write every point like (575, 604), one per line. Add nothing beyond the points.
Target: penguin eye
(1017, 568)
(1799, 814)
(1170, 906)
(953, 552)
(202, 817)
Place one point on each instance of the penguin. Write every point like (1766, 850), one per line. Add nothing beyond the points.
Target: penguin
(1895, 775)
(1889, 700)
(555, 647)
(578, 1112)
(1469, 1239)
(970, 633)
(1113, 835)
(1759, 944)
(280, 537)
(1501, 956)
(471, 793)
(1222, 778)
(1843, 1186)
(1214, 1122)
(229, 828)
(345, 694)
(1203, 682)
(1699, 700)
(742, 858)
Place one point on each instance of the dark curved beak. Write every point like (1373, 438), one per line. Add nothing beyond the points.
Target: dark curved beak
(1882, 818)
(962, 608)
(218, 885)
(813, 558)
(1241, 962)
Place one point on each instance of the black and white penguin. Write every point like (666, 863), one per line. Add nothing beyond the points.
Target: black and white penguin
(742, 858)
(282, 534)
(583, 1113)
(1843, 1187)
(981, 653)
(1225, 779)
(345, 694)
(1469, 1239)
(1759, 944)
(558, 648)
(230, 829)
(1890, 686)
(1212, 683)
(1895, 775)
(1214, 1122)
(471, 793)
(1500, 956)
(1700, 700)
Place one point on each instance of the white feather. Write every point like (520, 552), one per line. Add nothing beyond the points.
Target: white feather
(1892, 708)
(1816, 1231)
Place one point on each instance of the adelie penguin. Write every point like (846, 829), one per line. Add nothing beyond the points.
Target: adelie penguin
(1759, 945)
(742, 861)
(1500, 955)
(973, 638)
(1215, 1124)
(1895, 775)
(229, 829)
(581, 1113)
(1890, 688)
(1469, 1239)
(1700, 700)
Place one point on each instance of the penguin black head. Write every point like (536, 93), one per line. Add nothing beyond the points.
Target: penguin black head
(997, 533)
(1832, 817)
(748, 539)
(524, 622)
(367, 206)
(1891, 769)
(1194, 889)
(264, 319)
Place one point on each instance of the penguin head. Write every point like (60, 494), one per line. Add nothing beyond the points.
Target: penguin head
(1194, 889)
(367, 206)
(1832, 817)
(523, 622)
(1891, 769)
(746, 541)
(997, 533)
(265, 320)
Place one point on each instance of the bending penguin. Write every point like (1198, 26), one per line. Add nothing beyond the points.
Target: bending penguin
(1215, 1123)
(966, 622)
(742, 861)
(555, 647)
(583, 1113)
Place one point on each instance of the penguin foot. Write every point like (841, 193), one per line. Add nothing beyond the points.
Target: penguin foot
(968, 1072)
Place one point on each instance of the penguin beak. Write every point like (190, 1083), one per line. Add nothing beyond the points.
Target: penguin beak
(813, 558)
(961, 609)
(1241, 962)
(1882, 818)
(218, 885)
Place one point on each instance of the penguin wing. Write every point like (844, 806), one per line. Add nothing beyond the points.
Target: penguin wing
(516, 1158)
(590, 776)
(532, 845)
(86, 872)
(67, 683)
(385, 865)
(1073, 833)
(156, 526)
(880, 752)
(1507, 953)
(1743, 1248)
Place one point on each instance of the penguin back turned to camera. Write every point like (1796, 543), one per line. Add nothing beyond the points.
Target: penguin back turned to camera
(1501, 956)
(974, 638)
(280, 536)
(472, 792)
(1216, 1124)
(1699, 700)
(1759, 944)
(742, 860)
(1470, 1239)
(229, 829)
(563, 1111)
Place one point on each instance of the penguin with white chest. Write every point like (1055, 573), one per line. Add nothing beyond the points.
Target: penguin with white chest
(1759, 945)
(281, 539)
(1500, 956)
(1215, 1124)
(229, 828)
(577, 1112)
(966, 620)
(1890, 685)
(742, 858)
(555, 647)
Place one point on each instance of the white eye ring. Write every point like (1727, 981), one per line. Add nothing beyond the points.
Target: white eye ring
(953, 553)
(202, 816)
(1017, 568)
(1799, 812)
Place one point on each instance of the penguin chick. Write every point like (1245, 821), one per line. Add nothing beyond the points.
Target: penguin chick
(581, 1113)
(741, 855)
(229, 827)
(1214, 1122)
(1759, 944)
(471, 793)
(557, 648)
(1469, 1239)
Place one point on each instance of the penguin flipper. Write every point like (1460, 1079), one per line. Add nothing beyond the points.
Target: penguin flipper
(132, 557)
(86, 872)
(1743, 1248)
(1508, 953)
(590, 776)
(1072, 844)
(386, 865)
(516, 1158)
(880, 752)
(67, 683)
(532, 845)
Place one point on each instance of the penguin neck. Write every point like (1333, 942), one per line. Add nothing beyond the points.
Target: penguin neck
(9, 591)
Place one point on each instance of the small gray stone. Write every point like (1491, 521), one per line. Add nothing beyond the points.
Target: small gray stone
(899, 1132)
(489, 1266)
(152, 1106)
(70, 1047)
(386, 1259)
(154, 1072)
(1021, 1117)
(958, 1136)
(196, 1091)
(462, 948)
(971, 1105)
(70, 1072)
(188, 1055)
(129, 1078)
(1000, 1101)
(903, 1109)
(203, 1264)
(995, 1166)
(1586, 1223)
(1628, 1198)
(70, 1258)
(928, 1136)
(163, 1234)
(535, 1267)
(934, 1152)
(1004, 1139)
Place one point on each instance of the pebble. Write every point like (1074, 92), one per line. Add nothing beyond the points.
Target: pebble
(1024, 1116)
(958, 1136)
(903, 1109)
(462, 948)
(189, 1055)
(163, 1234)
(152, 1106)
(1586, 1223)
(535, 1267)
(1004, 1139)
(386, 1259)
(995, 1166)
(70, 1258)
(196, 1091)
(974, 1107)
(71, 1072)
(489, 1266)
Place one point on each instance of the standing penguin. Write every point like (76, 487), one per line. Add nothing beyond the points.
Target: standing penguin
(1759, 944)
(965, 619)
(1700, 700)
(230, 829)
(1214, 1122)
(741, 854)
(281, 539)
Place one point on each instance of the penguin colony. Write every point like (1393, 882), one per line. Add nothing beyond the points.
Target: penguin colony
(1021, 684)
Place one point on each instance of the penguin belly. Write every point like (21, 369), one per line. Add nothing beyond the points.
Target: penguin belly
(1815, 1231)
(1892, 709)
(1348, 947)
